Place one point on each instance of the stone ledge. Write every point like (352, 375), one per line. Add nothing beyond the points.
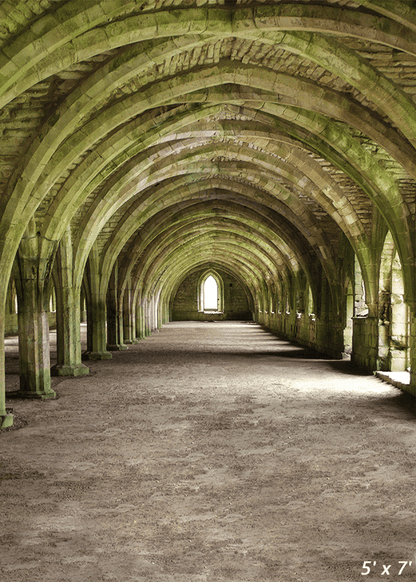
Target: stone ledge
(116, 347)
(96, 356)
(36, 395)
(69, 371)
(398, 379)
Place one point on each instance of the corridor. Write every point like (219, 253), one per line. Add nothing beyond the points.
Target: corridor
(209, 452)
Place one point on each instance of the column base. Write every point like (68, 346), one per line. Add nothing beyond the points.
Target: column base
(116, 347)
(96, 356)
(68, 370)
(29, 394)
(6, 420)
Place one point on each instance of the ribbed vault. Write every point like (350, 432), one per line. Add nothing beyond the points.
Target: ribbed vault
(141, 142)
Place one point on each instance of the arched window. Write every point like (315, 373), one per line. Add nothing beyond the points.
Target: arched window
(210, 292)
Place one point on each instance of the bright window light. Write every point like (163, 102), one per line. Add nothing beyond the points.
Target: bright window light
(210, 293)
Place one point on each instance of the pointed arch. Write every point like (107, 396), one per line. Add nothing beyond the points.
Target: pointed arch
(202, 303)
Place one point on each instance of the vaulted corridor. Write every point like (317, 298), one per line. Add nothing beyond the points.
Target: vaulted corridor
(209, 452)
(147, 146)
(242, 165)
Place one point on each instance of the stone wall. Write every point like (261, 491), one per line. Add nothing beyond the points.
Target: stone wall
(306, 330)
(185, 305)
(11, 325)
(365, 343)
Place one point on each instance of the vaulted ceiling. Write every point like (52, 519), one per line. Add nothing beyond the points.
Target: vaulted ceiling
(261, 137)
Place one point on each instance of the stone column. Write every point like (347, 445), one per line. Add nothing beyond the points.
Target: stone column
(96, 315)
(6, 419)
(128, 315)
(154, 313)
(140, 324)
(114, 315)
(161, 319)
(96, 319)
(146, 310)
(365, 343)
(32, 270)
(68, 315)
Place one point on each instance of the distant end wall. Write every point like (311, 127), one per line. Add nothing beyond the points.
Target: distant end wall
(185, 305)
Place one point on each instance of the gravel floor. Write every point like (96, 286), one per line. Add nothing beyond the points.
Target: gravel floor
(210, 452)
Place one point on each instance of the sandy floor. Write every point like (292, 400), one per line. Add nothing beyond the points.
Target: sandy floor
(210, 452)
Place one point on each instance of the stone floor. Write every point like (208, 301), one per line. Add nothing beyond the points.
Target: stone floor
(210, 452)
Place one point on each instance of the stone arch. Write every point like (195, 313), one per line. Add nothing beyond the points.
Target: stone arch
(210, 273)
(239, 219)
(236, 271)
(81, 44)
(281, 114)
